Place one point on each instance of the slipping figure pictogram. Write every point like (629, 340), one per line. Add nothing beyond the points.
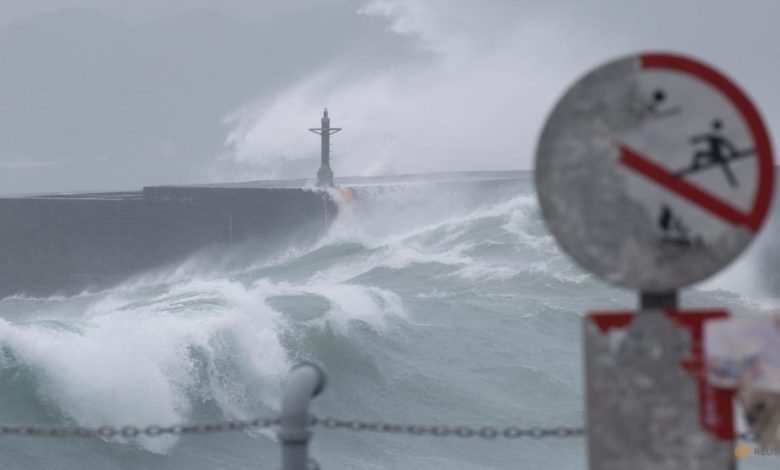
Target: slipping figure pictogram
(673, 230)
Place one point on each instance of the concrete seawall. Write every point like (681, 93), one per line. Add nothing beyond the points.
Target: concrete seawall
(66, 243)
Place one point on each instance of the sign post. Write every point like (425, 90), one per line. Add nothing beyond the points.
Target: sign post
(654, 172)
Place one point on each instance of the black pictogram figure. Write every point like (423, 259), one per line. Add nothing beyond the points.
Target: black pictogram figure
(654, 105)
(674, 230)
(720, 151)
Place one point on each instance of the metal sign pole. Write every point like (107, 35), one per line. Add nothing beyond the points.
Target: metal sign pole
(649, 301)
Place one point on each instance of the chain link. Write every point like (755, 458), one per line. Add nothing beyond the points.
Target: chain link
(746, 436)
(135, 431)
(484, 432)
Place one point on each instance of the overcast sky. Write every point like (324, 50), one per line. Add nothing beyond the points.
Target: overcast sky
(113, 94)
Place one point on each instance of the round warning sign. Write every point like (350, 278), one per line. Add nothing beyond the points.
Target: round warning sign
(654, 171)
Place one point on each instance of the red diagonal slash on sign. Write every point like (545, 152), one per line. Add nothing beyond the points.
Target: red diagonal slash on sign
(658, 174)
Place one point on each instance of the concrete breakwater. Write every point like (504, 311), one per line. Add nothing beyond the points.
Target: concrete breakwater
(67, 243)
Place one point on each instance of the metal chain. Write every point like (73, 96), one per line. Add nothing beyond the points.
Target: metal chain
(746, 436)
(436, 430)
(135, 431)
(484, 432)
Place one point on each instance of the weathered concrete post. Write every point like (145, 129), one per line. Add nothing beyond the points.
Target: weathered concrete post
(648, 406)
(325, 174)
(305, 381)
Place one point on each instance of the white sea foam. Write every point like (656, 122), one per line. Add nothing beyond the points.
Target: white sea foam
(130, 359)
(350, 303)
(139, 364)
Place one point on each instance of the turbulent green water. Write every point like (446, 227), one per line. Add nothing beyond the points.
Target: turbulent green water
(423, 307)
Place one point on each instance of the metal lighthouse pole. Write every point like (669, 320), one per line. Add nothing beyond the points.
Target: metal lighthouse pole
(325, 174)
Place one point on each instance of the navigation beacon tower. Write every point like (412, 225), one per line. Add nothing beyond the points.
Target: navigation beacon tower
(325, 174)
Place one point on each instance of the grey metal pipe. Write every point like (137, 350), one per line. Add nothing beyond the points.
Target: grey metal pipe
(305, 381)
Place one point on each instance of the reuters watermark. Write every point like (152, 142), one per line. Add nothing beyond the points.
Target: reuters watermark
(743, 451)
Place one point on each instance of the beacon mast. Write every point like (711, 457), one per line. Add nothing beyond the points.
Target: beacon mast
(325, 174)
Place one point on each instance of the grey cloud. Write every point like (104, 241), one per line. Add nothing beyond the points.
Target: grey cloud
(121, 104)
(122, 94)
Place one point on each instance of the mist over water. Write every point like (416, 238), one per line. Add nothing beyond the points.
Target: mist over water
(424, 303)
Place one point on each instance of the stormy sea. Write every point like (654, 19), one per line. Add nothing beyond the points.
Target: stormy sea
(425, 306)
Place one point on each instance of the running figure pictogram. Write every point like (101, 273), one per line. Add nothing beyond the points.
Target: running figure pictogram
(719, 151)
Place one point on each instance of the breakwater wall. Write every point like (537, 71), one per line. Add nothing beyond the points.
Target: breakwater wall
(63, 244)
(67, 243)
